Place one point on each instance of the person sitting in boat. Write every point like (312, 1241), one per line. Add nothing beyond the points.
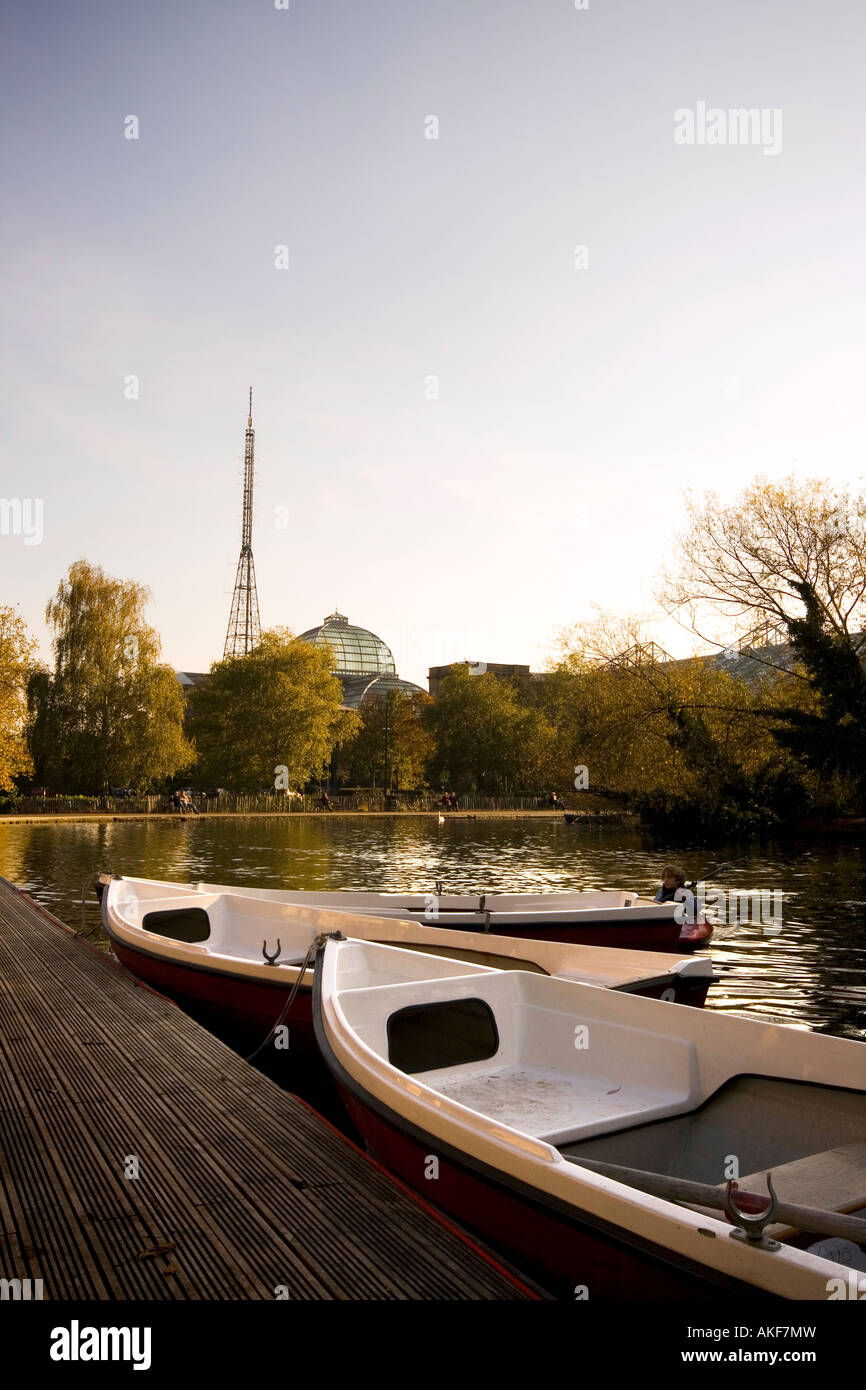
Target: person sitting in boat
(673, 879)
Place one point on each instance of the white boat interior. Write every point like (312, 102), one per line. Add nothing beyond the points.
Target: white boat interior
(222, 925)
(467, 908)
(225, 925)
(765, 1122)
(608, 1075)
(590, 900)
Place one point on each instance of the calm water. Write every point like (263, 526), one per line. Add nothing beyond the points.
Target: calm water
(812, 973)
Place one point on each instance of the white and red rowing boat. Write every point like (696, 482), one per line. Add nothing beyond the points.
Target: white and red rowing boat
(588, 1133)
(230, 956)
(590, 918)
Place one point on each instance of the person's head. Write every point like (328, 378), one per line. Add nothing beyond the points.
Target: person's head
(672, 876)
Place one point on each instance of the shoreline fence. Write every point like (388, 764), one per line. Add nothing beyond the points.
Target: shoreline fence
(236, 803)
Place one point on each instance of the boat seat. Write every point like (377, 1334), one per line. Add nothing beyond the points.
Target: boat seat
(551, 1106)
(834, 1180)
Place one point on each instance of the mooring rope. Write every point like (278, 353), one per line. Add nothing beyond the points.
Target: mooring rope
(317, 941)
(86, 931)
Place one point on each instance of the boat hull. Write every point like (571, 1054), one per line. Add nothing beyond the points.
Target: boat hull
(630, 932)
(651, 934)
(643, 926)
(511, 1100)
(243, 1011)
(676, 988)
(573, 1259)
(246, 1010)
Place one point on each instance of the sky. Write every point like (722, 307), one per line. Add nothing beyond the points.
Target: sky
(521, 315)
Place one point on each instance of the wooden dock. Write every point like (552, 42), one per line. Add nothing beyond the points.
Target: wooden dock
(242, 1191)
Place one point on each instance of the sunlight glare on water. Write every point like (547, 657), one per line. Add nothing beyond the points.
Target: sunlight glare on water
(811, 974)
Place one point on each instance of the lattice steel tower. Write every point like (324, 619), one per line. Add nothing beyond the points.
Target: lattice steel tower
(244, 630)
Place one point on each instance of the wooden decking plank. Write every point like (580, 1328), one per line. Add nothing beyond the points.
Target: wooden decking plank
(331, 1228)
(249, 1188)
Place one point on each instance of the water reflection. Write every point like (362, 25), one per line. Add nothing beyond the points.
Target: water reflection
(812, 974)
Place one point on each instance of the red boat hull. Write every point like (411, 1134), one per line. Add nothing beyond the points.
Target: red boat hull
(570, 1257)
(243, 1011)
(657, 934)
(229, 1004)
(694, 934)
(650, 935)
(242, 1014)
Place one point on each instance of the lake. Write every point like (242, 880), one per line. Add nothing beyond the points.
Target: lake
(807, 968)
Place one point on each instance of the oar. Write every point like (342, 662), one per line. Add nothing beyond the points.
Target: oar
(700, 1194)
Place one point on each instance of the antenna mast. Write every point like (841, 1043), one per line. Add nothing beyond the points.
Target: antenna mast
(244, 629)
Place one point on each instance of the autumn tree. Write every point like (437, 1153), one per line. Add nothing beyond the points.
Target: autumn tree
(743, 568)
(109, 713)
(789, 559)
(277, 707)
(673, 739)
(17, 648)
(488, 736)
(391, 728)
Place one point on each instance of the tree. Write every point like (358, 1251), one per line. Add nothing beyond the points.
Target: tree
(676, 740)
(747, 563)
(392, 723)
(604, 700)
(790, 558)
(110, 713)
(277, 707)
(410, 743)
(488, 737)
(17, 648)
(829, 736)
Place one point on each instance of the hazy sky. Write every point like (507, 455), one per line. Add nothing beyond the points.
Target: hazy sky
(712, 329)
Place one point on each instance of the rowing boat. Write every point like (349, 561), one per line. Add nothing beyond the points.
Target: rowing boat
(589, 1134)
(587, 918)
(231, 956)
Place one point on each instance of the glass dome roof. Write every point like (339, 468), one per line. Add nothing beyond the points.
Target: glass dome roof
(357, 652)
(358, 690)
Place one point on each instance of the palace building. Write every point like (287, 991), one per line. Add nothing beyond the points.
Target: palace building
(362, 662)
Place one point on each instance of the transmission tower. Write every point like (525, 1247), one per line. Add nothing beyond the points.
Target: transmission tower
(244, 630)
